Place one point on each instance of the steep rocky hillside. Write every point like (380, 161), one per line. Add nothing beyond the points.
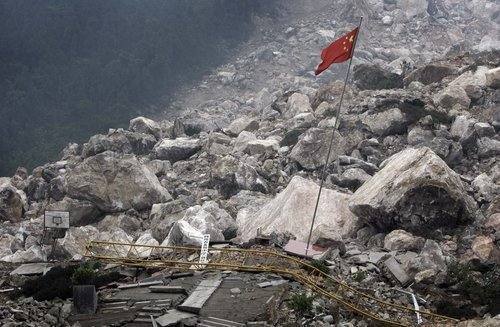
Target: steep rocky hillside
(414, 172)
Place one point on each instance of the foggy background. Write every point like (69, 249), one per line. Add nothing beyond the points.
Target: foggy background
(70, 69)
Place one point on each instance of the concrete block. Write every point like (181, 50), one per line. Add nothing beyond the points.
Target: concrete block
(85, 299)
(397, 271)
(173, 317)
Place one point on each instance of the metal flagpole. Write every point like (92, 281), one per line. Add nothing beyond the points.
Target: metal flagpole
(335, 127)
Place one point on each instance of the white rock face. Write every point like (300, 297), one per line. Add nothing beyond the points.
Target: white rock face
(292, 210)
(73, 244)
(127, 223)
(146, 126)
(33, 254)
(117, 235)
(182, 233)
(297, 103)
(146, 239)
(415, 191)
(115, 182)
(493, 78)
(199, 220)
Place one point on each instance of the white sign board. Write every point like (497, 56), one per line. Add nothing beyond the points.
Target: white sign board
(204, 248)
(56, 219)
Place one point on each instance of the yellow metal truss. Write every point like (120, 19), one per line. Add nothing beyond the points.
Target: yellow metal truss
(182, 257)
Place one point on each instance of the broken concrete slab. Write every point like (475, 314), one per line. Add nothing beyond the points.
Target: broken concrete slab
(200, 295)
(167, 289)
(173, 317)
(30, 269)
(397, 271)
(146, 284)
(298, 248)
(272, 283)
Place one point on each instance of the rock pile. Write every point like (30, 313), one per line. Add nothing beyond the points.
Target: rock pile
(414, 173)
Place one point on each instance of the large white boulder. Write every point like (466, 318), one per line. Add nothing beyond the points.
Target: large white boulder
(297, 103)
(292, 209)
(115, 182)
(148, 240)
(76, 239)
(198, 220)
(33, 254)
(415, 191)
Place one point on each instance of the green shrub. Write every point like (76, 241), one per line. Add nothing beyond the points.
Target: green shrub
(359, 276)
(84, 275)
(484, 290)
(301, 303)
(320, 265)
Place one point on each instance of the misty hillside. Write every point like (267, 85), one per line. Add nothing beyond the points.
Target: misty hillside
(69, 69)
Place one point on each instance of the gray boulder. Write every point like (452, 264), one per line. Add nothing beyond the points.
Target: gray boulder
(178, 149)
(242, 124)
(353, 178)
(146, 126)
(374, 77)
(115, 182)
(415, 191)
(387, 122)
(119, 141)
(431, 73)
(400, 240)
(451, 96)
(312, 148)
(230, 175)
(13, 203)
(487, 147)
(128, 223)
(493, 78)
(267, 148)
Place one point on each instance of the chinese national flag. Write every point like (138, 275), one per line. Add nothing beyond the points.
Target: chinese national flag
(339, 51)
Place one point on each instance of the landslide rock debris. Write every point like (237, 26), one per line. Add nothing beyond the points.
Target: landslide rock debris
(412, 179)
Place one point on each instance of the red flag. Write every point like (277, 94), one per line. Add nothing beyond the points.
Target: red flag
(338, 51)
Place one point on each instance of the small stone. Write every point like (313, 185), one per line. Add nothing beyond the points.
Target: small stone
(235, 291)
